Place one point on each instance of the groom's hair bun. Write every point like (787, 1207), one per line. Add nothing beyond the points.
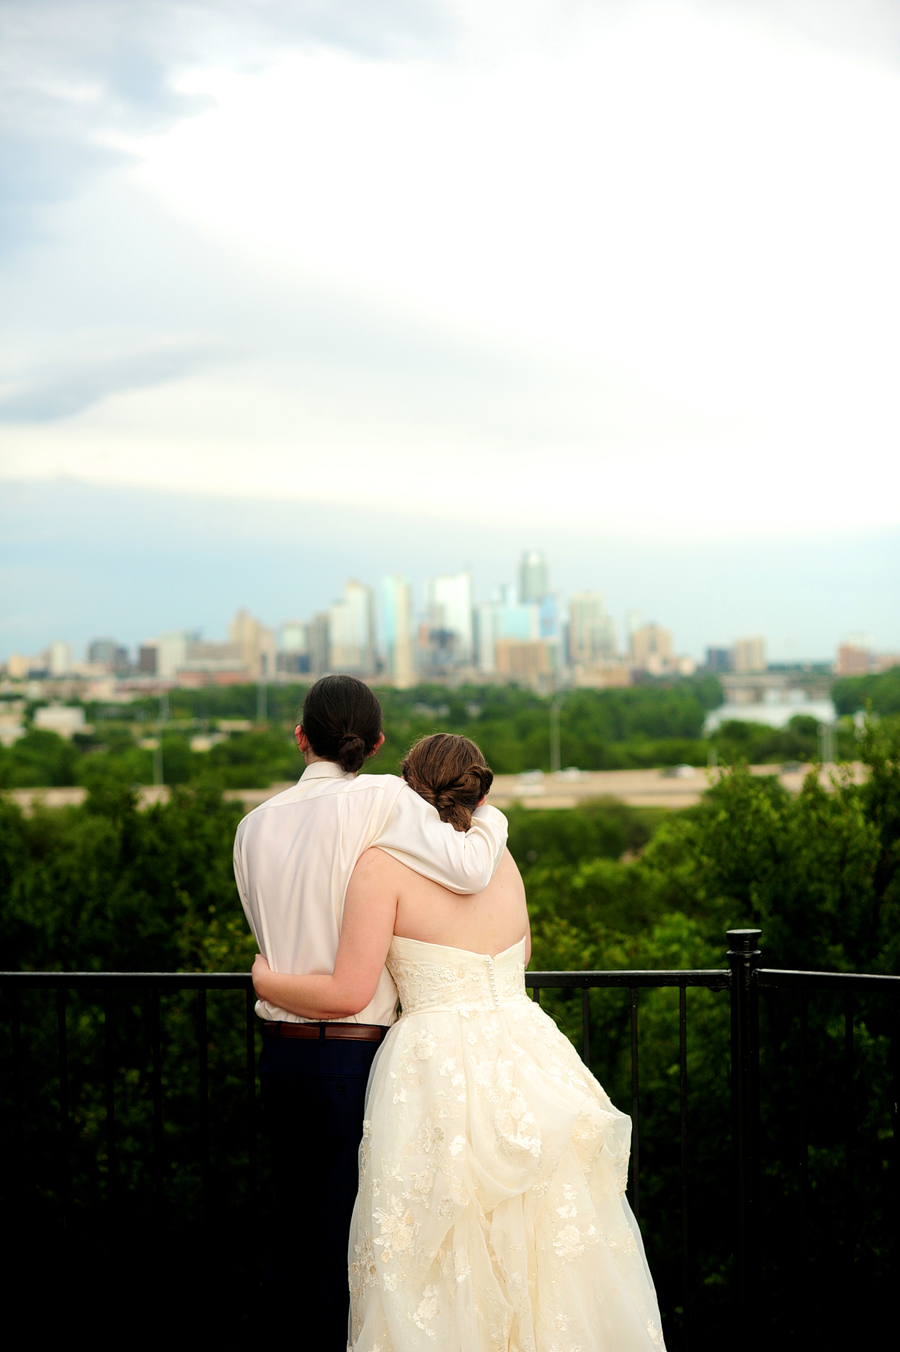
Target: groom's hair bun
(342, 719)
(450, 773)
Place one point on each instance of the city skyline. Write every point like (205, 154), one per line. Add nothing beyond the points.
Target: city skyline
(81, 561)
(526, 631)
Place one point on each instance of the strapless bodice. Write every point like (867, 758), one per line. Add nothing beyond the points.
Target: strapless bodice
(433, 976)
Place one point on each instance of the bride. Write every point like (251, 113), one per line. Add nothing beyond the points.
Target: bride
(491, 1214)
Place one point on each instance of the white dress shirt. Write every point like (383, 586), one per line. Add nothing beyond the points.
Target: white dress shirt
(294, 854)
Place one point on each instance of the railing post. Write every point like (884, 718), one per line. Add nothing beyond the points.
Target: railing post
(743, 959)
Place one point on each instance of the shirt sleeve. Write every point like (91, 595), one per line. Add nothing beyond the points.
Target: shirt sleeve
(463, 861)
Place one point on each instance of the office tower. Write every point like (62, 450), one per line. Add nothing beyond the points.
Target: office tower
(592, 634)
(351, 622)
(395, 620)
(148, 658)
(651, 648)
(59, 658)
(750, 654)
(319, 643)
(533, 576)
(105, 652)
(854, 660)
(505, 617)
(448, 605)
(293, 637)
(171, 651)
(292, 657)
(718, 660)
(256, 645)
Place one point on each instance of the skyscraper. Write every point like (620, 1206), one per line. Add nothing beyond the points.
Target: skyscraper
(651, 648)
(448, 602)
(352, 632)
(750, 654)
(255, 643)
(533, 576)
(395, 629)
(592, 634)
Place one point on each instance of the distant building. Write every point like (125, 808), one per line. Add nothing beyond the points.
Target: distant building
(395, 626)
(292, 657)
(101, 652)
(213, 659)
(530, 661)
(592, 633)
(505, 617)
(62, 719)
(750, 654)
(171, 651)
(533, 577)
(59, 658)
(106, 653)
(718, 660)
(853, 660)
(437, 651)
(255, 645)
(319, 638)
(352, 634)
(650, 641)
(294, 637)
(448, 606)
(148, 659)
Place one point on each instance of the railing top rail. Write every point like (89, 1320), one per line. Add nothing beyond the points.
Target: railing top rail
(715, 978)
(712, 978)
(782, 976)
(172, 980)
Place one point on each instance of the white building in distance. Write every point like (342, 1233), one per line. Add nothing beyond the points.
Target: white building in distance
(448, 605)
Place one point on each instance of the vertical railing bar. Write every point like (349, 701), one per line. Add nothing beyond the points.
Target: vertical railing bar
(250, 1002)
(109, 1084)
(895, 1127)
(848, 1120)
(586, 1025)
(65, 1182)
(203, 1050)
(536, 994)
(743, 959)
(635, 1118)
(16, 1001)
(156, 1089)
(804, 1144)
(682, 1067)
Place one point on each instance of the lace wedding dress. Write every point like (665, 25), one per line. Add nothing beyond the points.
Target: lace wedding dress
(491, 1214)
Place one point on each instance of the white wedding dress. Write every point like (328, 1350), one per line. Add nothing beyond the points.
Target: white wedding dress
(491, 1214)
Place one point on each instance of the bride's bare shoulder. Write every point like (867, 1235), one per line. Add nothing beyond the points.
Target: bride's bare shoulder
(377, 863)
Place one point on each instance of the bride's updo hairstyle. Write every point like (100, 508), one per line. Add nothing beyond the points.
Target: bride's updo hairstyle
(342, 719)
(450, 773)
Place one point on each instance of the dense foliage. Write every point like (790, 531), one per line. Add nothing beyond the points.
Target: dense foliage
(879, 692)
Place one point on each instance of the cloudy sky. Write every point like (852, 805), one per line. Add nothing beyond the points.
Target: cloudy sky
(616, 278)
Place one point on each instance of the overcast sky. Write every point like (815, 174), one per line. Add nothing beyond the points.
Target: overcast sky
(611, 270)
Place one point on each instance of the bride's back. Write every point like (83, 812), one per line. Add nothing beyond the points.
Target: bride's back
(488, 922)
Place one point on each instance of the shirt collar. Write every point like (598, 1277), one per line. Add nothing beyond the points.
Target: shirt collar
(324, 770)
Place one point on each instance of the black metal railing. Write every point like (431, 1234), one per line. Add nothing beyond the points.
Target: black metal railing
(143, 992)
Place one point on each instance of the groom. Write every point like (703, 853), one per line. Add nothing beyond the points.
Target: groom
(293, 857)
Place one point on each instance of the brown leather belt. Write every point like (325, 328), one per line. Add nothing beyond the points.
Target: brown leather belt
(351, 1032)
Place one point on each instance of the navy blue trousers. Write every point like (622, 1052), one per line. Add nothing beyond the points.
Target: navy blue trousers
(313, 1098)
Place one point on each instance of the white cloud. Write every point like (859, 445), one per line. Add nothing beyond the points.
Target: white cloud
(639, 269)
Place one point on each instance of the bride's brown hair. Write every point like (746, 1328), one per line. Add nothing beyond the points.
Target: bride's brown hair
(450, 773)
